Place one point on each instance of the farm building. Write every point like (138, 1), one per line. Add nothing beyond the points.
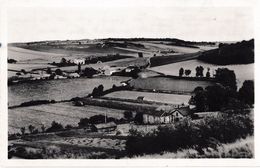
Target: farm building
(166, 115)
(105, 127)
(79, 61)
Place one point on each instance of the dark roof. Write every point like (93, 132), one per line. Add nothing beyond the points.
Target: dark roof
(105, 125)
(183, 110)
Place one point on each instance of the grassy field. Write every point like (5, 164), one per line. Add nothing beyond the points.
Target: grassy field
(25, 55)
(168, 84)
(63, 89)
(158, 97)
(243, 72)
(64, 113)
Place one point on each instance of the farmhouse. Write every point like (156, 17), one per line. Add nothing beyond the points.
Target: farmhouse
(79, 61)
(166, 115)
(105, 127)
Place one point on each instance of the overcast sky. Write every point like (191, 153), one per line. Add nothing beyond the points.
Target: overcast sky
(190, 23)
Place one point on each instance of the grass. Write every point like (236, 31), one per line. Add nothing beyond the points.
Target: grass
(64, 89)
(242, 148)
(64, 113)
(243, 72)
(168, 84)
(158, 97)
(162, 60)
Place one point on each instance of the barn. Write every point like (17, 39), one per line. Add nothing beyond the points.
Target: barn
(105, 127)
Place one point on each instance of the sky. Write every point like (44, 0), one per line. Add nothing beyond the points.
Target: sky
(27, 24)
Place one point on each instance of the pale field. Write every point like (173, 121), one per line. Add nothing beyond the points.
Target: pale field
(28, 67)
(243, 72)
(158, 97)
(178, 49)
(25, 55)
(64, 113)
(63, 89)
(168, 84)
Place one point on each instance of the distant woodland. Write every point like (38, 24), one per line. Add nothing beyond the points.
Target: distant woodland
(226, 54)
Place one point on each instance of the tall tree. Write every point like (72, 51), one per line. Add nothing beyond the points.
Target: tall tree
(181, 71)
(226, 77)
(246, 92)
(187, 72)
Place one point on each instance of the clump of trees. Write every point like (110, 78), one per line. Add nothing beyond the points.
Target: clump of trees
(218, 97)
(190, 134)
(63, 62)
(187, 72)
(89, 72)
(226, 77)
(11, 61)
(246, 92)
(226, 54)
(55, 126)
(98, 91)
(181, 72)
(199, 71)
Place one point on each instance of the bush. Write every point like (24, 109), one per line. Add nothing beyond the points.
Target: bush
(139, 118)
(128, 115)
(55, 127)
(84, 122)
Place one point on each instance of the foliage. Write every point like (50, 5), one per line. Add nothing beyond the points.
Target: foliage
(191, 134)
(98, 91)
(22, 129)
(139, 118)
(48, 71)
(226, 77)
(58, 72)
(187, 72)
(140, 55)
(89, 72)
(199, 71)
(181, 71)
(97, 119)
(84, 122)
(55, 126)
(11, 61)
(214, 98)
(226, 54)
(31, 128)
(246, 92)
(128, 115)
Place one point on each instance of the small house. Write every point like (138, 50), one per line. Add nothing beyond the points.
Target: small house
(105, 127)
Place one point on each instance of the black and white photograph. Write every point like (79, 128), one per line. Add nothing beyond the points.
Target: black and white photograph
(130, 82)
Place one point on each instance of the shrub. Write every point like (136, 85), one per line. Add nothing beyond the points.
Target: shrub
(139, 118)
(128, 115)
(55, 127)
(84, 122)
